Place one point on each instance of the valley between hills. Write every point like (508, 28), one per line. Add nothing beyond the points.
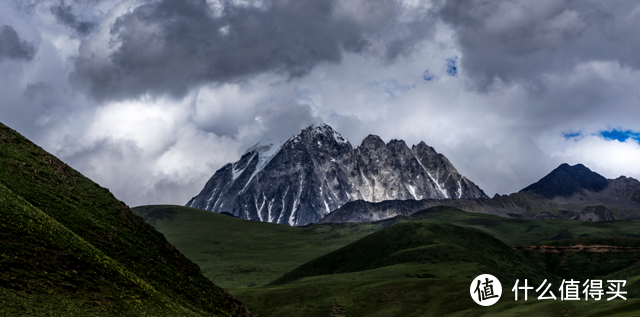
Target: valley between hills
(70, 248)
(417, 265)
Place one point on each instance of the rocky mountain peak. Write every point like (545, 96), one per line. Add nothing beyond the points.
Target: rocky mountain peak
(424, 148)
(567, 180)
(318, 132)
(317, 170)
(372, 141)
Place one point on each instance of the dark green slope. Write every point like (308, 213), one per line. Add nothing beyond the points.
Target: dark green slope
(526, 231)
(417, 280)
(424, 268)
(66, 237)
(234, 252)
(421, 242)
(40, 258)
(620, 264)
(237, 253)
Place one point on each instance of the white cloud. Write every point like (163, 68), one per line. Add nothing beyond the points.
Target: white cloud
(611, 158)
(566, 75)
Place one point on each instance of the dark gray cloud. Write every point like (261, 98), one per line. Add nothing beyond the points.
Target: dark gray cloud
(169, 46)
(65, 16)
(13, 47)
(522, 41)
(38, 90)
(262, 69)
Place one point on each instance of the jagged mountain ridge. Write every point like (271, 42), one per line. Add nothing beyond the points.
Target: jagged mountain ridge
(301, 180)
(572, 192)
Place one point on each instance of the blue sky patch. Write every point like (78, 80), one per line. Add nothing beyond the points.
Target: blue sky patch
(452, 66)
(620, 135)
(571, 135)
(427, 76)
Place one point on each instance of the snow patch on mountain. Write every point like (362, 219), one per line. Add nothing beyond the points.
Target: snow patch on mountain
(299, 181)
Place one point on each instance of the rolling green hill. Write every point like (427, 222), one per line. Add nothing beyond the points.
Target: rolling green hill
(69, 247)
(422, 242)
(234, 252)
(526, 231)
(400, 267)
(424, 268)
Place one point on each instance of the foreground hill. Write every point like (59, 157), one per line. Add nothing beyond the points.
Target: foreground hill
(299, 181)
(572, 192)
(69, 247)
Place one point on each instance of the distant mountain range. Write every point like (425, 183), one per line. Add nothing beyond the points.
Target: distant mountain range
(303, 179)
(573, 192)
(318, 176)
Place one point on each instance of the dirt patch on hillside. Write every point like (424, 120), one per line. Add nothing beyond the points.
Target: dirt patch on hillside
(577, 248)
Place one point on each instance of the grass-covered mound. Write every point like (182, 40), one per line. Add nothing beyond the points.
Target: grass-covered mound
(416, 268)
(428, 280)
(69, 246)
(421, 242)
(235, 253)
(525, 231)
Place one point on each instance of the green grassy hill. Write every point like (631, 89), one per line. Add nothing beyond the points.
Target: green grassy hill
(423, 242)
(237, 253)
(526, 231)
(241, 253)
(69, 247)
(422, 268)
(413, 268)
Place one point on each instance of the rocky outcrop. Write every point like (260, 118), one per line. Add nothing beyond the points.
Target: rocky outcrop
(588, 201)
(596, 214)
(317, 170)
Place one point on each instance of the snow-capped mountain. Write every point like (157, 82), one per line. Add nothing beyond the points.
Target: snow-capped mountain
(317, 170)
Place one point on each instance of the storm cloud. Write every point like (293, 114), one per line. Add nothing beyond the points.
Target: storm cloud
(521, 42)
(168, 46)
(150, 97)
(13, 47)
(64, 15)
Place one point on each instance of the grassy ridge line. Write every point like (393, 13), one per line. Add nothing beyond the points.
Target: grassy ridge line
(238, 253)
(94, 214)
(420, 241)
(526, 231)
(234, 252)
(22, 220)
(433, 288)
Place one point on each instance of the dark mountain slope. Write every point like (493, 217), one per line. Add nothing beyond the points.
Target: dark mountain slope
(35, 180)
(568, 180)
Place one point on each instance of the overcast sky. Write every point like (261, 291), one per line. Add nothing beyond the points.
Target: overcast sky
(150, 97)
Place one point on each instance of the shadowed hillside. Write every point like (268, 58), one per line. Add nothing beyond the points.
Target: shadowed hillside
(70, 247)
(420, 242)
